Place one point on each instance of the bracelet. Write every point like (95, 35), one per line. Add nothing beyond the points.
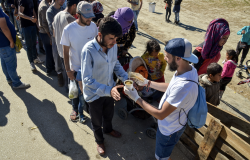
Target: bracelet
(148, 85)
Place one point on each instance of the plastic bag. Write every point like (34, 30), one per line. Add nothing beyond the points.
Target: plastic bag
(73, 89)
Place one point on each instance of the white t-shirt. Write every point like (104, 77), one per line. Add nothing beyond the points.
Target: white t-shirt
(180, 94)
(61, 20)
(76, 36)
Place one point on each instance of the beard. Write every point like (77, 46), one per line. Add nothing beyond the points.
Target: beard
(103, 43)
(84, 22)
(172, 66)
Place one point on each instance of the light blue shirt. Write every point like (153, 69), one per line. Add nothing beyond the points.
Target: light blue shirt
(245, 37)
(97, 70)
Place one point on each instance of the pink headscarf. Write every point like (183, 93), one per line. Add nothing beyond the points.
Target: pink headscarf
(216, 29)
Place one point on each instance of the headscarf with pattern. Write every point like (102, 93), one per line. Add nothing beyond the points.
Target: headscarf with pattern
(216, 29)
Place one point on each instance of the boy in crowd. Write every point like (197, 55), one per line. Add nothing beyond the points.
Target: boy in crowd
(211, 83)
(168, 9)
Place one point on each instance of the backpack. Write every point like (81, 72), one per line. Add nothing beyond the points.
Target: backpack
(197, 115)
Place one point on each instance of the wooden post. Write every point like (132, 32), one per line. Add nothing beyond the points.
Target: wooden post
(208, 142)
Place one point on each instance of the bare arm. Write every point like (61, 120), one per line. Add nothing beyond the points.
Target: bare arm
(140, 6)
(159, 86)
(20, 12)
(6, 31)
(66, 62)
(160, 114)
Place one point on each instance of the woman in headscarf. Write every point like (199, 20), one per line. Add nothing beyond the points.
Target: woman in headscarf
(125, 17)
(209, 51)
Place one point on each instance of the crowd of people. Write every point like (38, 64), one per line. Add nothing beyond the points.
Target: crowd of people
(82, 45)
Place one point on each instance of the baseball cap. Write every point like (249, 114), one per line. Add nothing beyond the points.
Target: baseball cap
(85, 9)
(181, 47)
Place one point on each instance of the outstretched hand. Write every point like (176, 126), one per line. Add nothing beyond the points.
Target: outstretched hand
(115, 94)
(132, 93)
(141, 83)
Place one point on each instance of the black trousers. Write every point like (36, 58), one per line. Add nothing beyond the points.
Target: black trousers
(168, 13)
(244, 53)
(101, 113)
(223, 83)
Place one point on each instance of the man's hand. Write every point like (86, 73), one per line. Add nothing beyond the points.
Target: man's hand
(243, 32)
(18, 18)
(33, 19)
(12, 6)
(12, 44)
(141, 83)
(115, 94)
(71, 75)
(132, 93)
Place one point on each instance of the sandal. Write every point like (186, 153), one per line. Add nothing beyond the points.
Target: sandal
(74, 116)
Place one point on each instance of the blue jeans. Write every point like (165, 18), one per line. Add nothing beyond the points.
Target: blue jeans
(136, 13)
(50, 64)
(177, 16)
(30, 40)
(18, 23)
(165, 144)
(9, 65)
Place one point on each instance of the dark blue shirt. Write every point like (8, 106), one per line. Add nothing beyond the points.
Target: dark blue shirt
(4, 42)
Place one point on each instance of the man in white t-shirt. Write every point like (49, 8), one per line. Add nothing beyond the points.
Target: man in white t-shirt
(75, 35)
(180, 94)
(61, 20)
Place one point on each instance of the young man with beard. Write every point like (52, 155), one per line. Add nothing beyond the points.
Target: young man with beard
(75, 35)
(180, 94)
(98, 63)
(50, 14)
(61, 20)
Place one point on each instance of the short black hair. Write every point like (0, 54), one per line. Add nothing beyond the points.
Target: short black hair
(109, 25)
(152, 45)
(234, 55)
(72, 2)
(111, 14)
(214, 68)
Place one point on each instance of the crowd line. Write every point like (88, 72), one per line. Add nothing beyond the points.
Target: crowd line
(87, 48)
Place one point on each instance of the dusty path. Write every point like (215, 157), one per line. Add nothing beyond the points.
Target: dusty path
(46, 106)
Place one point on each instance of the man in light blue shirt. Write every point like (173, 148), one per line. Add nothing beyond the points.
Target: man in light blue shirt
(98, 63)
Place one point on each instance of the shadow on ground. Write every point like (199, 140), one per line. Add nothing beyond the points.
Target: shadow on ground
(236, 110)
(191, 28)
(4, 109)
(149, 37)
(52, 125)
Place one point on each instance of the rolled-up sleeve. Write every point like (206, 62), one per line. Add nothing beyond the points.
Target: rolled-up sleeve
(119, 71)
(90, 85)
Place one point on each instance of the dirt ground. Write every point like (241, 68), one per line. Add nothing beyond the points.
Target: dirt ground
(194, 19)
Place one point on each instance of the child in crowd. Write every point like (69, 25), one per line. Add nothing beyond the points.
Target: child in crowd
(168, 9)
(154, 60)
(211, 83)
(176, 10)
(230, 63)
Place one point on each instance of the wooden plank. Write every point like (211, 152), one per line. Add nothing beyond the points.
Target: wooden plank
(217, 155)
(187, 141)
(210, 137)
(229, 119)
(235, 141)
(195, 136)
(224, 147)
(185, 150)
